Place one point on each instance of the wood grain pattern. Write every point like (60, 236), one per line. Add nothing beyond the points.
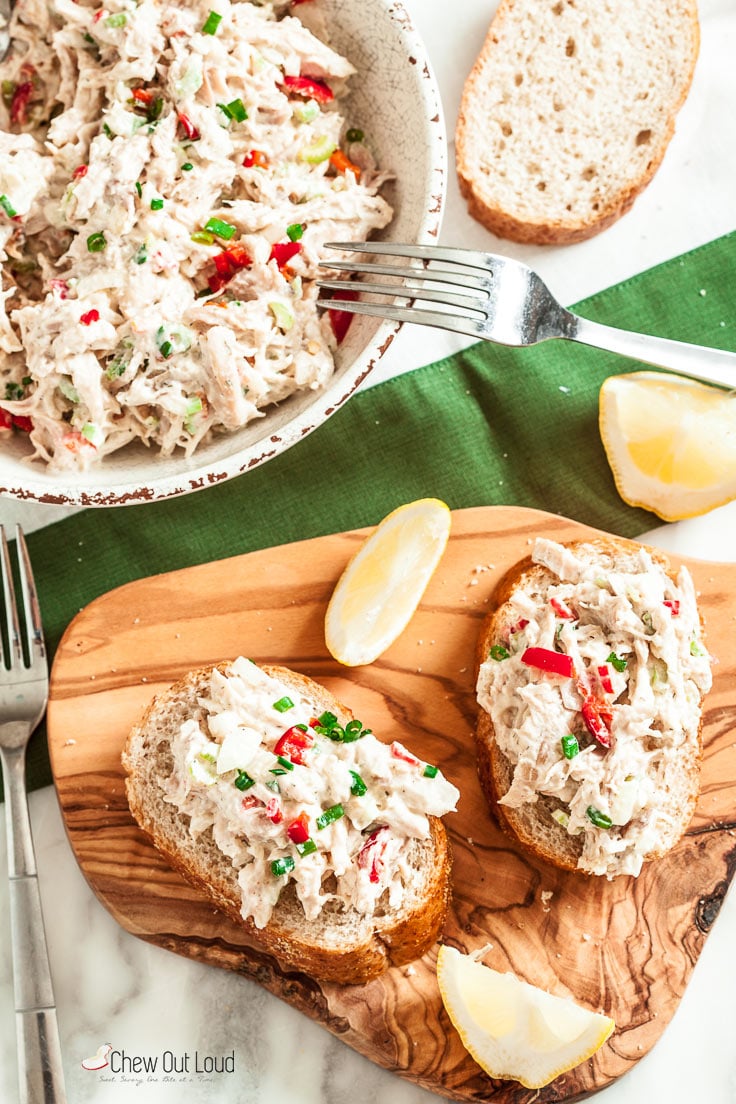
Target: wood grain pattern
(626, 947)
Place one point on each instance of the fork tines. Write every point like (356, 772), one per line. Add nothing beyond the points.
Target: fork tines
(426, 281)
(11, 645)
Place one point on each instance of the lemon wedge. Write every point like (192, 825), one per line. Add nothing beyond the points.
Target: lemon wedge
(512, 1029)
(382, 585)
(670, 441)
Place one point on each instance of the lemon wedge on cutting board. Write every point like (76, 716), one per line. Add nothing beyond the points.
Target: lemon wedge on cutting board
(382, 585)
(670, 441)
(512, 1029)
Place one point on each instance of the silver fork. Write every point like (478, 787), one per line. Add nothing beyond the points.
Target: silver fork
(24, 687)
(502, 300)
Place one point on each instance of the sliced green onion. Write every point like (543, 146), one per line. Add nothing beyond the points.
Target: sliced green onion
(306, 848)
(107, 132)
(157, 204)
(187, 166)
(283, 704)
(139, 188)
(142, 255)
(355, 135)
(221, 229)
(7, 206)
(570, 746)
(14, 392)
(166, 349)
(327, 719)
(203, 237)
(595, 816)
(96, 243)
(616, 661)
(295, 231)
(235, 110)
(430, 771)
(243, 780)
(697, 649)
(211, 23)
(329, 816)
(353, 731)
(273, 785)
(89, 38)
(358, 787)
(285, 763)
(498, 652)
(118, 19)
(282, 866)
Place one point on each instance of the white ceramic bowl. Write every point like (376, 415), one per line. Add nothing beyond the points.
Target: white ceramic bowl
(394, 96)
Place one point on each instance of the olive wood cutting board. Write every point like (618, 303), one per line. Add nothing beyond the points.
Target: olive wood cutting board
(626, 947)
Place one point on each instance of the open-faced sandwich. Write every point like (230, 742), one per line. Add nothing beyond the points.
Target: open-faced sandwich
(591, 679)
(266, 792)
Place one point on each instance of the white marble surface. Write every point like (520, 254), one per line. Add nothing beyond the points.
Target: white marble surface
(113, 988)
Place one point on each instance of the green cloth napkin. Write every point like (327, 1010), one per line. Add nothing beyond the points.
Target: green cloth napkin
(487, 426)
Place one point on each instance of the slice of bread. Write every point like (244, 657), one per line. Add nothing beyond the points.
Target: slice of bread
(673, 781)
(342, 944)
(567, 113)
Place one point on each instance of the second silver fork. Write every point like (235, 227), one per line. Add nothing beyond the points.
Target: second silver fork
(499, 299)
(23, 698)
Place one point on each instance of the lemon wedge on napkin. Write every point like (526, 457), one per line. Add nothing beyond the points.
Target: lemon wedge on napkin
(382, 585)
(670, 441)
(512, 1029)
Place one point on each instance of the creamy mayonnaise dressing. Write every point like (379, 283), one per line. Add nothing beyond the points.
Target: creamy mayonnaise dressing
(169, 173)
(357, 801)
(640, 667)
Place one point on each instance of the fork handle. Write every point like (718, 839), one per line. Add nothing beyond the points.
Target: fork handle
(697, 361)
(40, 1069)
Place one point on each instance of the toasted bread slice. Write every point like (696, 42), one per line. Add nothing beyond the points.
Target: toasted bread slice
(538, 811)
(567, 113)
(342, 944)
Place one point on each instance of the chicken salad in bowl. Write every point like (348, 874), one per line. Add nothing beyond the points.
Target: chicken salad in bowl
(168, 176)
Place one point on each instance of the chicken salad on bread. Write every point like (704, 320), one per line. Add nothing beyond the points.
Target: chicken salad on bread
(591, 679)
(315, 825)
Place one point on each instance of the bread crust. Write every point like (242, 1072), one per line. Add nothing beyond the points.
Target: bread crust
(531, 825)
(557, 228)
(342, 946)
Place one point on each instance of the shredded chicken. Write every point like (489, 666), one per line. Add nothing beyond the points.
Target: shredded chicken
(168, 176)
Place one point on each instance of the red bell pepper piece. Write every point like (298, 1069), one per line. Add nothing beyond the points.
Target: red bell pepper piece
(298, 829)
(143, 95)
(400, 752)
(61, 286)
(292, 745)
(340, 320)
(273, 810)
(673, 605)
(371, 854)
(282, 252)
(20, 421)
(342, 163)
(562, 610)
(310, 88)
(604, 675)
(81, 170)
(89, 317)
(255, 157)
(598, 721)
(556, 663)
(19, 102)
(188, 126)
(6, 419)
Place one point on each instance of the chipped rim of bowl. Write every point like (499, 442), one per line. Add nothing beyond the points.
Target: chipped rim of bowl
(57, 489)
